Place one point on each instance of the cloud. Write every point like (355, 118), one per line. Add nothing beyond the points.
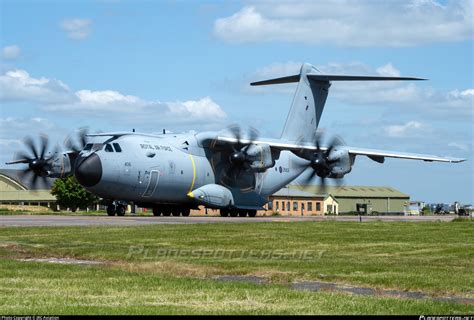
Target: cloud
(455, 103)
(109, 101)
(200, 109)
(350, 23)
(55, 96)
(11, 52)
(18, 85)
(409, 129)
(10, 143)
(77, 29)
(388, 70)
(460, 146)
(13, 130)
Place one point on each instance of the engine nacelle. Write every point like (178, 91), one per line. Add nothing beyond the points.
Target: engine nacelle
(343, 165)
(260, 156)
(62, 164)
(213, 196)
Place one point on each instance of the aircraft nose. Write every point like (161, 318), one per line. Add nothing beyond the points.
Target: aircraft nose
(88, 170)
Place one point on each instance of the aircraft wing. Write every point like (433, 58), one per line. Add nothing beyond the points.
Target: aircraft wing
(376, 155)
(380, 154)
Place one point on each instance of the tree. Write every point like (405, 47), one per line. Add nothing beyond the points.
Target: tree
(70, 194)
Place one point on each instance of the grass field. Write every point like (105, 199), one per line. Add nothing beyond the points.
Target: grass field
(171, 269)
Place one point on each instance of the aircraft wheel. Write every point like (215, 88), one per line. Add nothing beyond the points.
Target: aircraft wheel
(252, 213)
(120, 210)
(111, 210)
(233, 213)
(224, 212)
(166, 212)
(175, 212)
(185, 212)
(156, 211)
(242, 213)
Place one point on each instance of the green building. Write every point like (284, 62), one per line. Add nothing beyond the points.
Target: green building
(382, 200)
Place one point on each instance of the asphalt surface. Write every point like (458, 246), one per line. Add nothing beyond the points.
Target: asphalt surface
(45, 220)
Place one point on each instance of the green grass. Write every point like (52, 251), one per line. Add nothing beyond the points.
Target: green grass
(432, 257)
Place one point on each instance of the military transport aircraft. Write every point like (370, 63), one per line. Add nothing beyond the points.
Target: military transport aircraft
(229, 170)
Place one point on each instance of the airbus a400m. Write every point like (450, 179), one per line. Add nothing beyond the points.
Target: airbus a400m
(229, 169)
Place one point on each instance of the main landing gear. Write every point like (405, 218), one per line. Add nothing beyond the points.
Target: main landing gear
(238, 212)
(167, 211)
(116, 209)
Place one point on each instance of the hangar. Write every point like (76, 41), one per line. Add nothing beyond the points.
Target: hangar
(376, 200)
(15, 190)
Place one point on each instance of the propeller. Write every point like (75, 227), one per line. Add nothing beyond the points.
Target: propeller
(239, 158)
(36, 158)
(81, 140)
(233, 163)
(321, 162)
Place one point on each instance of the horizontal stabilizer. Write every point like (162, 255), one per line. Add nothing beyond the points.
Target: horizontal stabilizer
(330, 77)
(335, 77)
(288, 79)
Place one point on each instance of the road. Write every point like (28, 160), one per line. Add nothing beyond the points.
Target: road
(45, 220)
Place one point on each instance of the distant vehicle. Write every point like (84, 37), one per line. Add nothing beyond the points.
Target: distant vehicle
(442, 208)
(414, 208)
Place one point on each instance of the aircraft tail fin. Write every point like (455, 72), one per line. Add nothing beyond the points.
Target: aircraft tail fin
(310, 98)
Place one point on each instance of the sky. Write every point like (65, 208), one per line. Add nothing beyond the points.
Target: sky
(186, 65)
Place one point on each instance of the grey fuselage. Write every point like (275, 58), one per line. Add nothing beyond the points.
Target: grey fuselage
(163, 169)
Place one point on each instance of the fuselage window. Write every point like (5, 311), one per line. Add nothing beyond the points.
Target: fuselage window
(108, 148)
(117, 147)
(88, 147)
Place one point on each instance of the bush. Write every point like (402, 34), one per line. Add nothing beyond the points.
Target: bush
(70, 194)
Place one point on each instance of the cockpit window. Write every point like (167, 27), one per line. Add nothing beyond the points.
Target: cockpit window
(88, 147)
(108, 148)
(117, 147)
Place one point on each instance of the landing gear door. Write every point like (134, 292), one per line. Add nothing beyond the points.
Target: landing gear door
(154, 176)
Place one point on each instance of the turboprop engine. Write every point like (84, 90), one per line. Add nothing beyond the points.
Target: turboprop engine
(333, 161)
(340, 163)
